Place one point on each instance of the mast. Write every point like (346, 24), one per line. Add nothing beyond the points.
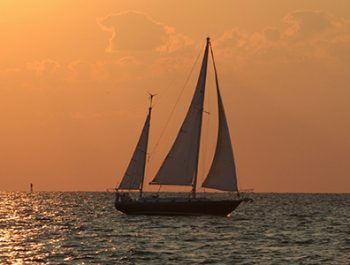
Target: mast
(194, 185)
(151, 96)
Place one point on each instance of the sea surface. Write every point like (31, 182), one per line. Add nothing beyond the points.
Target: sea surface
(85, 228)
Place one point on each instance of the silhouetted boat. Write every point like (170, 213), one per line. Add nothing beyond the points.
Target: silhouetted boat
(180, 166)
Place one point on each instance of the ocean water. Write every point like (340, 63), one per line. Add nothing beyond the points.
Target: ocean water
(85, 228)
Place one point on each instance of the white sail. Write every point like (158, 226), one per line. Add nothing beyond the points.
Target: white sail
(135, 172)
(180, 165)
(222, 173)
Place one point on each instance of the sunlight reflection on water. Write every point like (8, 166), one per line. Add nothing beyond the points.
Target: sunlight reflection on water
(80, 228)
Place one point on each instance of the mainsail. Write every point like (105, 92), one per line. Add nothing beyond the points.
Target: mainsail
(181, 164)
(222, 173)
(134, 175)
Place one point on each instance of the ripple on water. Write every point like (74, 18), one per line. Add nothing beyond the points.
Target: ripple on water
(63, 228)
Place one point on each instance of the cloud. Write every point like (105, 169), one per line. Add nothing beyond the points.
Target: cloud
(175, 41)
(133, 30)
(306, 24)
(123, 69)
(44, 67)
(306, 36)
(81, 71)
(272, 34)
(155, 49)
(233, 38)
(38, 74)
(136, 31)
(341, 49)
(318, 35)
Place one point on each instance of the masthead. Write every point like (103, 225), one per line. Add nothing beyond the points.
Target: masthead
(151, 96)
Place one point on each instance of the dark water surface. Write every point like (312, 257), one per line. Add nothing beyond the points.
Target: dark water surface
(84, 228)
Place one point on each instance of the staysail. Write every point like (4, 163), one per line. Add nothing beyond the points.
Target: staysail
(222, 173)
(180, 165)
(134, 175)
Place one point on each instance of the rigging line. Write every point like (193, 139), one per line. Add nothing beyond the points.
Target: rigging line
(172, 81)
(177, 101)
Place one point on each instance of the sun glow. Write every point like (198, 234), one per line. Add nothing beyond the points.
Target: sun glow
(74, 76)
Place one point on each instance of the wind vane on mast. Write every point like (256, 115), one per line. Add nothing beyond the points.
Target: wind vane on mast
(151, 96)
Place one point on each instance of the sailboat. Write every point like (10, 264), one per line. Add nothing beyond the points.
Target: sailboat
(180, 167)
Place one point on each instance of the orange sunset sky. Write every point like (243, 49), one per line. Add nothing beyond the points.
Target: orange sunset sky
(74, 76)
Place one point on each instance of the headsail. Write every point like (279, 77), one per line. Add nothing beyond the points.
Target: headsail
(222, 173)
(180, 165)
(134, 175)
